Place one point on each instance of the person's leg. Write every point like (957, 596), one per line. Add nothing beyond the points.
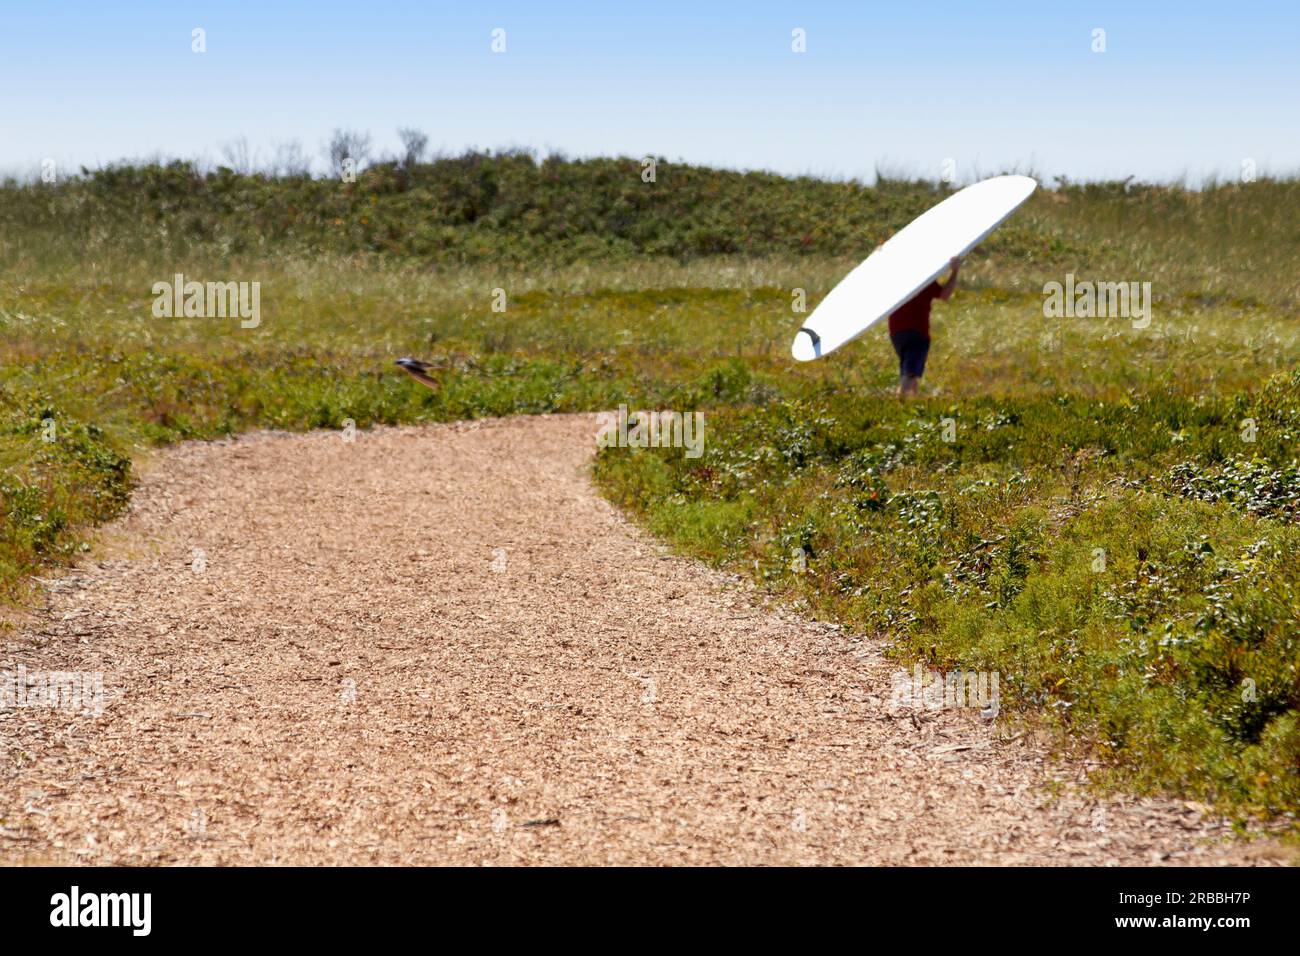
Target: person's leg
(899, 341)
(912, 348)
(916, 357)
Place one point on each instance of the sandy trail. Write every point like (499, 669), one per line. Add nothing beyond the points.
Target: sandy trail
(439, 645)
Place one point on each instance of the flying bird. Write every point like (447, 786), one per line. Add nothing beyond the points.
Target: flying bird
(417, 369)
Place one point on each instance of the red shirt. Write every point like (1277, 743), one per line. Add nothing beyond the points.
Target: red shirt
(914, 314)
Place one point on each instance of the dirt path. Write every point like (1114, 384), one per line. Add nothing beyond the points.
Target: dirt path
(439, 645)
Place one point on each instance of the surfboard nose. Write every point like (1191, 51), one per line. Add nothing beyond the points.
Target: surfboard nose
(807, 346)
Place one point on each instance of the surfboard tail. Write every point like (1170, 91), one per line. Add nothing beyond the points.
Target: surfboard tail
(807, 345)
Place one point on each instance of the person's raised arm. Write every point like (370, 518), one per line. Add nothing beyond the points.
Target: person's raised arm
(948, 288)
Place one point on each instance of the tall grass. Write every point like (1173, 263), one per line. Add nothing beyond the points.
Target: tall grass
(1224, 242)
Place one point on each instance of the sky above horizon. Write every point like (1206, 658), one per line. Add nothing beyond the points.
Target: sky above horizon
(1182, 89)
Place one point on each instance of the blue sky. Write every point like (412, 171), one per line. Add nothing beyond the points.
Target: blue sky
(1182, 89)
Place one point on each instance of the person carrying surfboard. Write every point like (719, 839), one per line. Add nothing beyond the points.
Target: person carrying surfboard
(883, 282)
(909, 330)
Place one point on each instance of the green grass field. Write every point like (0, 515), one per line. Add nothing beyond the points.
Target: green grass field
(1104, 515)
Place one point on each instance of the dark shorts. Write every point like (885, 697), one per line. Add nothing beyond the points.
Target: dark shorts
(912, 348)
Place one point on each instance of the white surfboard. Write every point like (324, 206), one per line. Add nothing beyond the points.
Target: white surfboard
(909, 261)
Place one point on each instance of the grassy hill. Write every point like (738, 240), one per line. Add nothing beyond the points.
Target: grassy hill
(1104, 514)
(1224, 241)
